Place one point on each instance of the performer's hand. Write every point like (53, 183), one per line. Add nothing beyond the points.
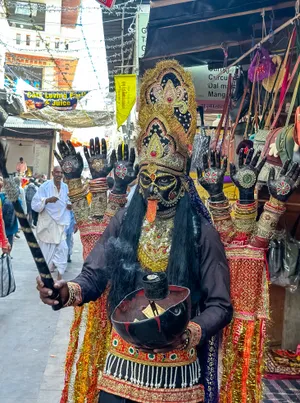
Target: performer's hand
(213, 177)
(99, 165)
(71, 162)
(246, 177)
(52, 199)
(45, 293)
(124, 170)
(178, 344)
(288, 180)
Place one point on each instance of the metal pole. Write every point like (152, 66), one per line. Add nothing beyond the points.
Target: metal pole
(122, 40)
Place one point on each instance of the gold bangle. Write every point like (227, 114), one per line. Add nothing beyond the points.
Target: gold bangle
(276, 202)
(75, 297)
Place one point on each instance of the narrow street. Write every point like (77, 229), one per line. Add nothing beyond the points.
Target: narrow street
(33, 338)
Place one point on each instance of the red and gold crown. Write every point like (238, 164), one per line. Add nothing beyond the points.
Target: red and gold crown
(167, 117)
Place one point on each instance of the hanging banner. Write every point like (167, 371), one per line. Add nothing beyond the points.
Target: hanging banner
(59, 100)
(106, 3)
(125, 85)
(142, 19)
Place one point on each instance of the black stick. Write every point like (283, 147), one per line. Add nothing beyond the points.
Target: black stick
(12, 193)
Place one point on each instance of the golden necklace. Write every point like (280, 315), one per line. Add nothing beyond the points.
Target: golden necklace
(155, 244)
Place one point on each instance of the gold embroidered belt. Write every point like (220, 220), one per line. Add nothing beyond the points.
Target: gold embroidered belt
(143, 394)
(147, 377)
(120, 348)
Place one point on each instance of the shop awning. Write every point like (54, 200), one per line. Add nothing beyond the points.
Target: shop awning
(17, 122)
(201, 32)
(73, 119)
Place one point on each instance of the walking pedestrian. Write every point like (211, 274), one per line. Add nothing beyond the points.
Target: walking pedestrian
(52, 203)
(9, 216)
(17, 180)
(30, 191)
(70, 231)
(21, 167)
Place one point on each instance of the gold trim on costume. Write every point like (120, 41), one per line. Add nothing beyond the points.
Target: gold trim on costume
(242, 252)
(142, 394)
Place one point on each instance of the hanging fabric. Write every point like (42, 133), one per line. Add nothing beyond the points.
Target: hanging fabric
(279, 143)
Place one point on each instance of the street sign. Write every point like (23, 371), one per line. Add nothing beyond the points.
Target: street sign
(142, 18)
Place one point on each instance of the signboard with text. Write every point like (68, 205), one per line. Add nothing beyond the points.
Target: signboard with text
(210, 87)
(142, 18)
(60, 100)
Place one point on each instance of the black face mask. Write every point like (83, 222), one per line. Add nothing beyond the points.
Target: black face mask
(162, 186)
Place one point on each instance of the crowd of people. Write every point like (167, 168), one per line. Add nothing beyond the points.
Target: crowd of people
(30, 190)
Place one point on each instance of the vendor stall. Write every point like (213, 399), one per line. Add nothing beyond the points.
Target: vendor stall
(259, 100)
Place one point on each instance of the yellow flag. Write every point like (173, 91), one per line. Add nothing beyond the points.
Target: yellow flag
(125, 85)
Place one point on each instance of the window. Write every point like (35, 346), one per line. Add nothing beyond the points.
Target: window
(28, 40)
(18, 39)
(47, 42)
(56, 43)
(38, 42)
(66, 44)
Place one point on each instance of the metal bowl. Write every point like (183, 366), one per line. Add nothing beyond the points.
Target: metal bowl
(132, 325)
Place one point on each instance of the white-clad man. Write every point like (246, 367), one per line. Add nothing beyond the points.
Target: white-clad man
(52, 203)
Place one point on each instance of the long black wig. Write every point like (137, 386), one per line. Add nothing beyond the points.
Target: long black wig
(183, 265)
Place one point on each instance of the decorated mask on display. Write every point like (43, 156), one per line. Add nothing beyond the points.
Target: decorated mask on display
(167, 121)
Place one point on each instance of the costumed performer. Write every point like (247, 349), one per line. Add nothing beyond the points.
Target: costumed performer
(91, 328)
(246, 241)
(165, 228)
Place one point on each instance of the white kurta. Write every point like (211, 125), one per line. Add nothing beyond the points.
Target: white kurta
(53, 219)
(23, 199)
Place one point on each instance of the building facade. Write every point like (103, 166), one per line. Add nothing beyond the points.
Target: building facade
(39, 44)
(39, 39)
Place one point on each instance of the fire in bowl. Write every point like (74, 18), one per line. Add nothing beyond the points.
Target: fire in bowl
(157, 322)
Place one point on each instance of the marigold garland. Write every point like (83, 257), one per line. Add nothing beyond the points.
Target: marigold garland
(71, 352)
(101, 346)
(246, 358)
(81, 378)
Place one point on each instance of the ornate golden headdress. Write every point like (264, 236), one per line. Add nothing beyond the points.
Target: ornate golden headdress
(167, 117)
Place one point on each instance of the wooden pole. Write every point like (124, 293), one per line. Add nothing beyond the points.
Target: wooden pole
(286, 24)
(164, 3)
(202, 49)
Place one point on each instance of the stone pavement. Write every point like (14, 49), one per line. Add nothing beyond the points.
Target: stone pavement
(33, 338)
